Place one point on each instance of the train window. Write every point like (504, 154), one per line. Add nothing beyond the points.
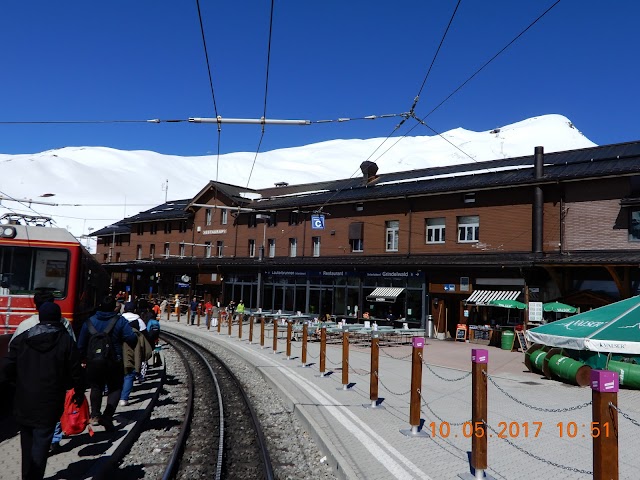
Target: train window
(26, 270)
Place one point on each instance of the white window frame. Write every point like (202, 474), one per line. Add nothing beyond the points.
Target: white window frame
(315, 241)
(220, 248)
(272, 247)
(293, 247)
(392, 235)
(436, 227)
(224, 216)
(252, 248)
(139, 252)
(152, 251)
(357, 245)
(469, 229)
(182, 250)
(207, 216)
(167, 250)
(207, 249)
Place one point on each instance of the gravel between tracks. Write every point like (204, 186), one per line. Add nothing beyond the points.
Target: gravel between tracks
(294, 454)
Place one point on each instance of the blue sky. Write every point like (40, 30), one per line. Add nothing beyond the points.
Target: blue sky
(124, 60)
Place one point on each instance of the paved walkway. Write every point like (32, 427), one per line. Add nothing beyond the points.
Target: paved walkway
(367, 444)
(82, 454)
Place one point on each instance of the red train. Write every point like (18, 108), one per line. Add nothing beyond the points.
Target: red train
(45, 258)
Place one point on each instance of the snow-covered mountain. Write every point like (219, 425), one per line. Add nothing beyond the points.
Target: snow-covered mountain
(95, 186)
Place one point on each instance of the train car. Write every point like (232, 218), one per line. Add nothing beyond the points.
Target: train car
(34, 258)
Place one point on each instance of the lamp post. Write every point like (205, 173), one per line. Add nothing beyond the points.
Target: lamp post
(264, 219)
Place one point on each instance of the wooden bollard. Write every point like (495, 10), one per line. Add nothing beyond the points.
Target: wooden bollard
(199, 311)
(240, 326)
(275, 335)
(305, 332)
(604, 424)
(219, 322)
(168, 313)
(229, 322)
(323, 350)
(479, 362)
(251, 319)
(210, 319)
(262, 332)
(416, 390)
(289, 334)
(345, 359)
(373, 380)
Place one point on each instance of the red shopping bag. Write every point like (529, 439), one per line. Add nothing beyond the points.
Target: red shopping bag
(74, 419)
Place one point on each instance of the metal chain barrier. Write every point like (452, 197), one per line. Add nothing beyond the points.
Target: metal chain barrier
(468, 374)
(358, 371)
(536, 457)
(533, 407)
(424, 402)
(391, 391)
(635, 422)
(391, 356)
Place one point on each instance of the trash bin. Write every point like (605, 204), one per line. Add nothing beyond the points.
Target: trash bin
(430, 327)
(629, 373)
(508, 337)
(535, 360)
(569, 369)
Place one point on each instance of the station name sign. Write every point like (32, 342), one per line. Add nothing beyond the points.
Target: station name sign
(342, 273)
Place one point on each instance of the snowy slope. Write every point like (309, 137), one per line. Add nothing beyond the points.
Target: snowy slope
(95, 186)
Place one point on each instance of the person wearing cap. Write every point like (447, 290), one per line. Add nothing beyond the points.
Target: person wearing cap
(43, 362)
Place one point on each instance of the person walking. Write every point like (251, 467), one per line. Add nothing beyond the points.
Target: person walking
(194, 309)
(134, 360)
(43, 362)
(109, 330)
(163, 306)
(39, 298)
(240, 309)
(208, 308)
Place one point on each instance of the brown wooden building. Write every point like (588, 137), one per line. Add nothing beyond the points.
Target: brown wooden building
(540, 227)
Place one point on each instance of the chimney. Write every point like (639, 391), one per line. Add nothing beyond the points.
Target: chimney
(538, 201)
(369, 170)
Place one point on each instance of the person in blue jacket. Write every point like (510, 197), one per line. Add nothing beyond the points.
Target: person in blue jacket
(110, 374)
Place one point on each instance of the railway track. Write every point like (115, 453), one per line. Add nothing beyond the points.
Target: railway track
(220, 436)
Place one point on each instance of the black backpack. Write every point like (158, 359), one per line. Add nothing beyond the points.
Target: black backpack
(100, 350)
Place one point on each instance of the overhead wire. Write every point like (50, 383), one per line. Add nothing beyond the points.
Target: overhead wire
(23, 203)
(266, 92)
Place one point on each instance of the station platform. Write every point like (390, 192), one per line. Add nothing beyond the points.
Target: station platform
(365, 443)
(84, 456)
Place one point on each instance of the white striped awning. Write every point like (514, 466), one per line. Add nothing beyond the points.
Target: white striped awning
(385, 294)
(483, 297)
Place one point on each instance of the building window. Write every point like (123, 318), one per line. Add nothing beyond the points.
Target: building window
(117, 256)
(468, 229)
(252, 248)
(357, 245)
(315, 242)
(139, 252)
(207, 249)
(435, 230)
(253, 221)
(634, 225)
(293, 247)
(182, 226)
(356, 236)
(182, 249)
(119, 241)
(272, 247)
(224, 215)
(140, 228)
(293, 218)
(273, 219)
(166, 250)
(105, 258)
(219, 248)
(167, 227)
(207, 216)
(392, 235)
(152, 251)
(153, 228)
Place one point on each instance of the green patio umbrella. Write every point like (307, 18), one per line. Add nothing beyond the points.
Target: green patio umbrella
(507, 304)
(559, 307)
(613, 328)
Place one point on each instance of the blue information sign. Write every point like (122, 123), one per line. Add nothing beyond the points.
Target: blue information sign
(317, 222)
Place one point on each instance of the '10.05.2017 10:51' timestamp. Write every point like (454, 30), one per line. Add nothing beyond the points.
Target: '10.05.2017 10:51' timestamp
(520, 430)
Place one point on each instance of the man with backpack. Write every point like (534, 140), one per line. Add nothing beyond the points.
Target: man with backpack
(100, 342)
(43, 362)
